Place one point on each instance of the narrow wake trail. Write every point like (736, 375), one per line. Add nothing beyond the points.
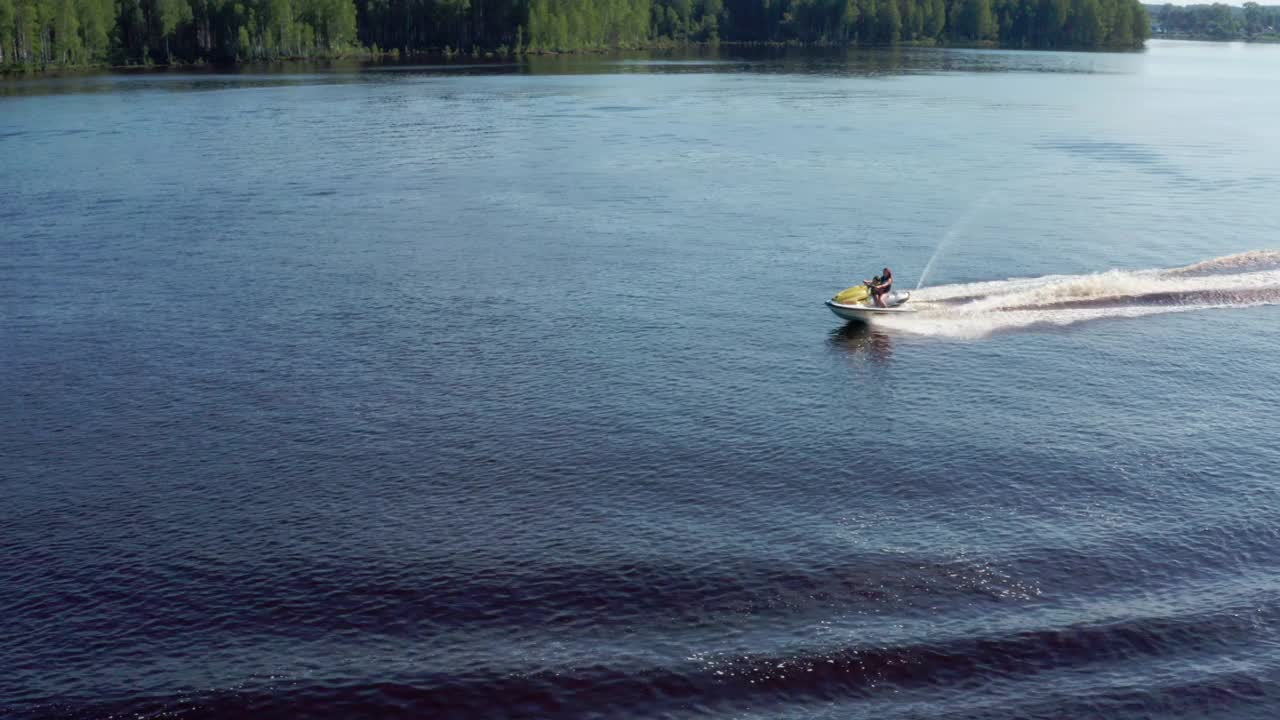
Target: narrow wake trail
(975, 310)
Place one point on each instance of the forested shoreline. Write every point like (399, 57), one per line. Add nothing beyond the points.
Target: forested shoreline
(57, 33)
(1249, 22)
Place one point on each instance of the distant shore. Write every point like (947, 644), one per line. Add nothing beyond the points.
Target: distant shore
(449, 55)
(1200, 37)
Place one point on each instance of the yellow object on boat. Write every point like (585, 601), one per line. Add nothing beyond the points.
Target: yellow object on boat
(855, 294)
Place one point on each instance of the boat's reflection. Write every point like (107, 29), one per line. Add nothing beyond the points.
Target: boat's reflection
(862, 340)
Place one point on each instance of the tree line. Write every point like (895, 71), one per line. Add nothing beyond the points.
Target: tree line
(118, 32)
(79, 32)
(1009, 23)
(1219, 21)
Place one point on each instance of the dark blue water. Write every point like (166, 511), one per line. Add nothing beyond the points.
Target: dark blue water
(493, 393)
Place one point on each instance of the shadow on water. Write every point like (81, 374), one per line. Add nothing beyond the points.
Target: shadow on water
(862, 341)
(765, 59)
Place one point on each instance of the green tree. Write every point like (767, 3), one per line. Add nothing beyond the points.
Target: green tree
(889, 22)
(1141, 23)
(1052, 16)
(340, 26)
(1221, 21)
(6, 32)
(65, 24)
(848, 19)
(170, 15)
(913, 12)
(1254, 18)
(1088, 28)
(935, 18)
(709, 23)
(35, 32)
(1121, 34)
(975, 20)
(96, 20)
(278, 24)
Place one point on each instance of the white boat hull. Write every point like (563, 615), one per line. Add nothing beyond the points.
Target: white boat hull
(866, 312)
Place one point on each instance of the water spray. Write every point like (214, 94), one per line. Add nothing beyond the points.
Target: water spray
(956, 228)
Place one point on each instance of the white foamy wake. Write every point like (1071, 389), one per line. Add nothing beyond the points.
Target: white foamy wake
(972, 310)
(1249, 259)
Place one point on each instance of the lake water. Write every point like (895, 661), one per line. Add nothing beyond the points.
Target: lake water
(508, 391)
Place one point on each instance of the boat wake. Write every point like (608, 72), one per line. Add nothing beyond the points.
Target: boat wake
(974, 310)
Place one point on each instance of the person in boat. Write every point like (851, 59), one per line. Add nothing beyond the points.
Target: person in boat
(880, 286)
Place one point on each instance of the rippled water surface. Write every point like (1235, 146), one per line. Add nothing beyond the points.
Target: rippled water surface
(508, 391)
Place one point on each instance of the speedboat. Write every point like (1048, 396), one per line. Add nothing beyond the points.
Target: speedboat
(865, 310)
